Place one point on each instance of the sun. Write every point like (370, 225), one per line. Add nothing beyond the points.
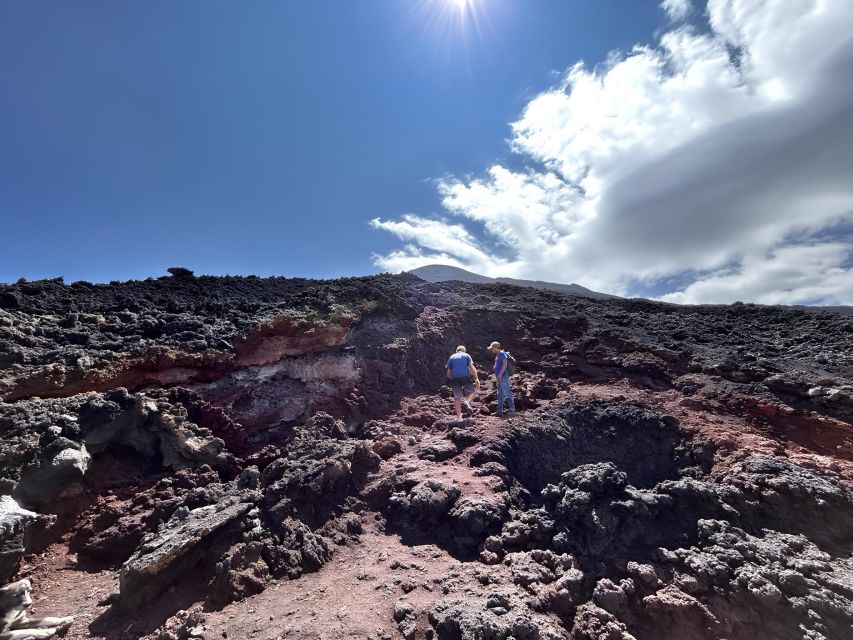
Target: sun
(454, 23)
(463, 6)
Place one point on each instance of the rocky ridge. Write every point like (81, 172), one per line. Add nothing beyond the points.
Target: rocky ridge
(276, 458)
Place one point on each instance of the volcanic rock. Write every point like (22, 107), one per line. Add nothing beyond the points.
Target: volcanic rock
(283, 455)
(187, 538)
(16, 526)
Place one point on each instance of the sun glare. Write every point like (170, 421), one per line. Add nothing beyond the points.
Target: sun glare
(450, 22)
(464, 7)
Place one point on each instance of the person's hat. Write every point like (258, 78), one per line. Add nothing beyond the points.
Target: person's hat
(495, 345)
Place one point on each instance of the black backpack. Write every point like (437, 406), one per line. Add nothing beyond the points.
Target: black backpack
(511, 364)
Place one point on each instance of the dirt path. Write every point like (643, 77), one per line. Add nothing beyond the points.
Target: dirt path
(351, 597)
(354, 595)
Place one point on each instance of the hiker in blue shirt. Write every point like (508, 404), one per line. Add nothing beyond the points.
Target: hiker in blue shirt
(502, 379)
(463, 380)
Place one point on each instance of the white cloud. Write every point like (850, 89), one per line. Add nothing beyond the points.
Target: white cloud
(728, 147)
(677, 9)
(436, 235)
(800, 274)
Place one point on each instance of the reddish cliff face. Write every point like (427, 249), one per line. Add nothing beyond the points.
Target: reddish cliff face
(229, 457)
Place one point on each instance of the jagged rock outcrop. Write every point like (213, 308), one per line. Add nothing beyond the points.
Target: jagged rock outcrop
(48, 444)
(16, 526)
(183, 541)
(494, 619)
(218, 443)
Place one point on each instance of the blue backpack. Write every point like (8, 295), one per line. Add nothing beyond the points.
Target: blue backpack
(511, 364)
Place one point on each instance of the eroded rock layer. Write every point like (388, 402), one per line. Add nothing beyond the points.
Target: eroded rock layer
(270, 458)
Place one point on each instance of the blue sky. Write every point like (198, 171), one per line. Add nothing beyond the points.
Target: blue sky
(259, 137)
(689, 150)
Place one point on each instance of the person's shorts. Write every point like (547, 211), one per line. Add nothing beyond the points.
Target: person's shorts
(462, 386)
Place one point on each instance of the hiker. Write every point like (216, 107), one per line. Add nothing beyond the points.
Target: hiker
(502, 379)
(463, 380)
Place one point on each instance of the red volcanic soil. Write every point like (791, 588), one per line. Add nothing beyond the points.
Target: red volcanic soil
(297, 471)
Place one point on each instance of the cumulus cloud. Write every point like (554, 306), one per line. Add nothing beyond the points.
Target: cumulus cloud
(714, 157)
(449, 243)
(797, 274)
(677, 9)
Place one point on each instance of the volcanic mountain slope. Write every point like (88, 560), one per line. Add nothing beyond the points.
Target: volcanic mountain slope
(447, 273)
(269, 458)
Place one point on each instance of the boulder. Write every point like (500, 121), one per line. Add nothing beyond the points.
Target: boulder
(438, 451)
(186, 539)
(457, 620)
(16, 527)
(478, 516)
(427, 502)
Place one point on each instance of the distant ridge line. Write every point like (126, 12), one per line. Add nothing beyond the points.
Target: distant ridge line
(446, 273)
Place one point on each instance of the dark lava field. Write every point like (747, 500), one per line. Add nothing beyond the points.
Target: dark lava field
(206, 457)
